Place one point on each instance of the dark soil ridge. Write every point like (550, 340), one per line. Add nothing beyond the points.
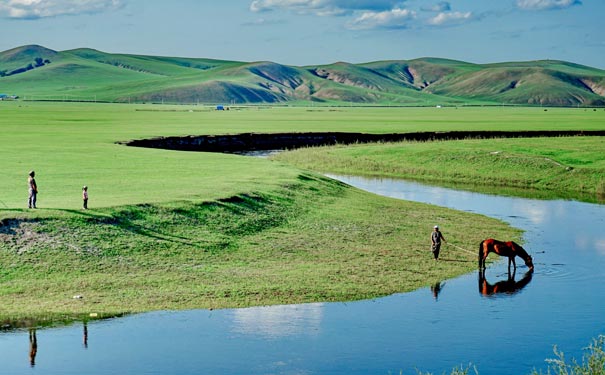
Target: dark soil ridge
(246, 142)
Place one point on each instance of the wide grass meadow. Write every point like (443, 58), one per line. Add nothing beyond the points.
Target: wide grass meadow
(174, 230)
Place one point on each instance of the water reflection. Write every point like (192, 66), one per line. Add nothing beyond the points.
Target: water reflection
(600, 246)
(537, 214)
(436, 289)
(33, 342)
(85, 336)
(33, 347)
(279, 321)
(508, 286)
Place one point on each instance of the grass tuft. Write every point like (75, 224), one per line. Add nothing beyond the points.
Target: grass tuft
(592, 363)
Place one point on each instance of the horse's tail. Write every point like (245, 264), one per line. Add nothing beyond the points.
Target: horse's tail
(481, 254)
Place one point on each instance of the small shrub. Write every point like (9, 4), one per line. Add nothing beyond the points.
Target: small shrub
(459, 371)
(593, 361)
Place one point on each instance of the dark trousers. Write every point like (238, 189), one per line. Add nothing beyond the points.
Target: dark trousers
(435, 248)
(85, 205)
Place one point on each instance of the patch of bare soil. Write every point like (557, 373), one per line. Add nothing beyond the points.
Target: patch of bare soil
(21, 235)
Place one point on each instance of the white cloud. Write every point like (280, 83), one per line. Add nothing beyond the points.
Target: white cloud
(443, 6)
(263, 22)
(371, 14)
(34, 9)
(324, 7)
(396, 18)
(546, 4)
(451, 18)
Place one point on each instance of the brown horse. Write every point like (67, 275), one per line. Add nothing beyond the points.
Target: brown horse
(506, 249)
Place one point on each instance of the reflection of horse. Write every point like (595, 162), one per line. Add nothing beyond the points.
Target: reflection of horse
(509, 286)
(506, 249)
(33, 346)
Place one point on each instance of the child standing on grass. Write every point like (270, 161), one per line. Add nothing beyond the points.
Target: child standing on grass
(85, 197)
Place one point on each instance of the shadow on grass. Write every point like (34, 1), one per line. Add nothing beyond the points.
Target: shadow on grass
(456, 260)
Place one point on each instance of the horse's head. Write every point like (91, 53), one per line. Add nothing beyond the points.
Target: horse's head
(524, 255)
(529, 262)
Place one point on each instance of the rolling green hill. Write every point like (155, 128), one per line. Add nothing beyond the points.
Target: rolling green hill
(38, 73)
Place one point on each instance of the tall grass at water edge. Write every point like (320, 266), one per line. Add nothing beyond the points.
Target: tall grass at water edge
(591, 363)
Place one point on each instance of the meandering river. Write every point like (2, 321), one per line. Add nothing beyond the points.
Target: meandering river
(501, 325)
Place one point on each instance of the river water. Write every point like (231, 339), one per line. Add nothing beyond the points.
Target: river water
(500, 325)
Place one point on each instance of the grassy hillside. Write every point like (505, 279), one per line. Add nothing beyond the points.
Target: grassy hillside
(14, 59)
(542, 85)
(37, 73)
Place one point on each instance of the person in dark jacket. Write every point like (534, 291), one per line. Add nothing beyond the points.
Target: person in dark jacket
(436, 238)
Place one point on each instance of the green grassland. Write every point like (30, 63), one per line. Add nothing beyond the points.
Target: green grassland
(37, 73)
(75, 144)
(570, 167)
(173, 230)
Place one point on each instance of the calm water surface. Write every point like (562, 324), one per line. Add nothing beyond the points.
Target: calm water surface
(432, 330)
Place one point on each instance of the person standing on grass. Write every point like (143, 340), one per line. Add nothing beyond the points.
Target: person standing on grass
(436, 238)
(85, 197)
(33, 190)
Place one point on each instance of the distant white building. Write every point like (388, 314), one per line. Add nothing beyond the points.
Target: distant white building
(8, 97)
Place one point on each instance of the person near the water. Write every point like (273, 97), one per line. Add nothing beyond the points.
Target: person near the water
(33, 190)
(436, 238)
(85, 197)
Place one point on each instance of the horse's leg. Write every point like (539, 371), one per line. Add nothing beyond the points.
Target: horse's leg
(484, 250)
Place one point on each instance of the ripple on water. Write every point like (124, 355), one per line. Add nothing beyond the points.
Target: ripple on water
(563, 272)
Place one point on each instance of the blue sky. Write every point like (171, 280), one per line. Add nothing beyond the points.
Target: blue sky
(308, 32)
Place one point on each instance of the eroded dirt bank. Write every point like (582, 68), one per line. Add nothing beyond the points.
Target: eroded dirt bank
(237, 143)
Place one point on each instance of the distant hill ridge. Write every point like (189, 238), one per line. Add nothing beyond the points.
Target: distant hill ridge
(38, 73)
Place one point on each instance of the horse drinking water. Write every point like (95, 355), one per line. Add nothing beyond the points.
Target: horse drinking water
(506, 249)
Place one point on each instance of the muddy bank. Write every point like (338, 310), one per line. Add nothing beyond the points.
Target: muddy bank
(237, 143)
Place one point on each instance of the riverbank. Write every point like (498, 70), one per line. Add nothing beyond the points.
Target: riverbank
(312, 240)
(559, 167)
